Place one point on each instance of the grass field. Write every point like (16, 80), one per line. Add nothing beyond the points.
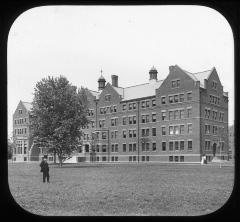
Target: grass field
(122, 189)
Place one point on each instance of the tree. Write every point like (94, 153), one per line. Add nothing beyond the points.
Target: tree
(59, 112)
(10, 149)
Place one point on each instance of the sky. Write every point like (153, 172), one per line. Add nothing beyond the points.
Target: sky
(78, 41)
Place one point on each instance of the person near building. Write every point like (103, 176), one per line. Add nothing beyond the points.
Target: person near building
(45, 169)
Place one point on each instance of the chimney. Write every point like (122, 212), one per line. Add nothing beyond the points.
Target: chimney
(115, 80)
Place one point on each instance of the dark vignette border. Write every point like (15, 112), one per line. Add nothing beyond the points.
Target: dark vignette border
(13, 8)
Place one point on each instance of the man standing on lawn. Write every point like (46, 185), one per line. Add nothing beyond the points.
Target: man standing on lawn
(45, 169)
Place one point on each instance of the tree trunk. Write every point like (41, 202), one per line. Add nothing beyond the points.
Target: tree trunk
(60, 160)
(54, 156)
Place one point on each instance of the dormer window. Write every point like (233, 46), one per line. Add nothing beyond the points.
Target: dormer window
(20, 111)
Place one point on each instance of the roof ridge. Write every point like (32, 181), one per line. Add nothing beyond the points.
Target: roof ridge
(143, 84)
(203, 71)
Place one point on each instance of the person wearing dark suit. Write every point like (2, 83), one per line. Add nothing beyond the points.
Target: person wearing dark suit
(45, 170)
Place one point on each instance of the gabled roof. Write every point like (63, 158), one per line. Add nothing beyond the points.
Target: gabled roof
(27, 105)
(199, 76)
(140, 91)
(94, 93)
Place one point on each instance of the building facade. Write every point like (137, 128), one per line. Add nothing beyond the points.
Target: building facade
(178, 119)
(25, 149)
(21, 132)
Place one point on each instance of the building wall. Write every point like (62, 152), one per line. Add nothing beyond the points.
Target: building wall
(221, 105)
(21, 133)
(195, 98)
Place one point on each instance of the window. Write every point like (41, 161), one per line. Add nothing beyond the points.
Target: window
(163, 115)
(134, 133)
(107, 97)
(112, 158)
(181, 145)
(189, 145)
(154, 117)
(134, 119)
(176, 130)
(163, 99)
(124, 134)
(189, 112)
(163, 130)
(130, 158)
(176, 114)
(112, 147)
(163, 146)
(176, 98)
(207, 113)
(134, 158)
(124, 120)
(134, 147)
(104, 135)
(181, 114)
(207, 129)
(20, 111)
(116, 158)
(181, 97)
(176, 158)
(153, 102)
(104, 148)
(147, 146)
(154, 132)
(170, 158)
(181, 158)
(143, 104)
(170, 99)
(130, 106)
(147, 104)
(114, 122)
(130, 120)
(130, 133)
(171, 113)
(116, 147)
(171, 146)
(104, 158)
(207, 144)
(143, 146)
(171, 132)
(189, 130)
(189, 96)
(214, 85)
(112, 135)
(215, 130)
(174, 84)
(147, 158)
(124, 147)
(181, 129)
(154, 147)
(124, 106)
(143, 158)
(176, 145)
(115, 109)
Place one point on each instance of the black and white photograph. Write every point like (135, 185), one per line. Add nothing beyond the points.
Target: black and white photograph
(120, 110)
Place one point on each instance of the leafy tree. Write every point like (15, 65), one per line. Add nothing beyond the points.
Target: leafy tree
(10, 149)
(59, 111)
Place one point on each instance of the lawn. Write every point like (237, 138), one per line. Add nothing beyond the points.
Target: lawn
(99, 190)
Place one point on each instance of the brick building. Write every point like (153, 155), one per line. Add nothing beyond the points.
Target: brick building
(25, 149)
(178, 119)
(21, 132)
